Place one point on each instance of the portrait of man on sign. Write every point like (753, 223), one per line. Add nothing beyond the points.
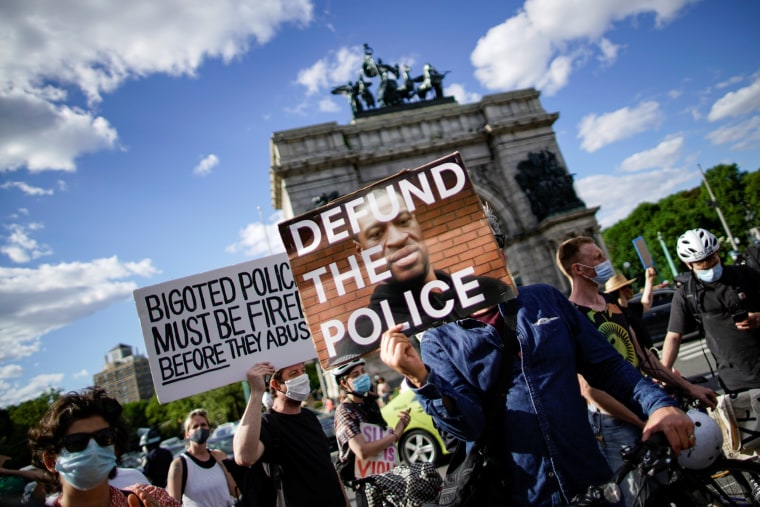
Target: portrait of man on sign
(413, 249)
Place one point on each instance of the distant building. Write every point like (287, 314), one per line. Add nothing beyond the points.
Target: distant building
(126, 376)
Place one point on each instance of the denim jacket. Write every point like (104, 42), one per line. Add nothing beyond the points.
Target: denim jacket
(551, 452)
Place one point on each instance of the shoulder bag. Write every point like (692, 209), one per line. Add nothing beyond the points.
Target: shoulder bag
(477, 478)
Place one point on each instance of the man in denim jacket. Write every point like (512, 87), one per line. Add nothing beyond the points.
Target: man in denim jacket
(550, 451)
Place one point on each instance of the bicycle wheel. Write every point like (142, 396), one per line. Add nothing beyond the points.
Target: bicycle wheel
(732, 483)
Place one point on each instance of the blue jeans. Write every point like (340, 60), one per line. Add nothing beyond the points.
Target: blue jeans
(612, 435)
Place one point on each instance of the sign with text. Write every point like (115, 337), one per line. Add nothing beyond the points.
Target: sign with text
(413, 249)
(204, 331)
(382, 462)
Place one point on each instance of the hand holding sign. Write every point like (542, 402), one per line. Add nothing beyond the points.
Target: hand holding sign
(256, 375)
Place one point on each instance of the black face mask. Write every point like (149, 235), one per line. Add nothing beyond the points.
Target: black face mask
(200, 436)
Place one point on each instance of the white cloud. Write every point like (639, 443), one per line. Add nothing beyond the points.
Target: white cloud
(81, 374)
(258, 239)
(34, 302)
(597, 131)
(43, 135)
(744, 135)
(740, 102)
(663, 155)
(328, 106)
(729, 82)
(337, 68)
(13, 393)
(20, 247)
(618, 195)
(461, 95)
(205, 166)
(94, 47)
(542, 44)
(608, 51)
(26, 188)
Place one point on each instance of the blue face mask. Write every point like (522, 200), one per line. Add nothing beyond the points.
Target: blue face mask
(710, 275)
(362, 383)
(87, 468)
(604, 272)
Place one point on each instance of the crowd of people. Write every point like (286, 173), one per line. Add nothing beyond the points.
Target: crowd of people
(581, 383)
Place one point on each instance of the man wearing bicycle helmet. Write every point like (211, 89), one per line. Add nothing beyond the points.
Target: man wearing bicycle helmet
(724, 301)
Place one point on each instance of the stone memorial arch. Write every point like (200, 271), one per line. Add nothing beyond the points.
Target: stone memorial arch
(507, 143)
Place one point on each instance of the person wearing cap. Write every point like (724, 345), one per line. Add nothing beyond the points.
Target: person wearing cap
(157, 459)
(616, 426)
(288, 438)
(726, 301)
(360, 406)
(618, 289)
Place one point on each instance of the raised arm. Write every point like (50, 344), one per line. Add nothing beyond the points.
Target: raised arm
(646, 295)
(247, 448)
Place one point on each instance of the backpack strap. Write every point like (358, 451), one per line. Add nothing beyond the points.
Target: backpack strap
(693, 294)
(184, 473)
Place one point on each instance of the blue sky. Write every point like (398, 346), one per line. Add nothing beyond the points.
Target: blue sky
(134, 138)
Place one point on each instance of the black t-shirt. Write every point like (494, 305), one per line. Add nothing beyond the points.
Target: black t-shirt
(297, 443)
(737, 352)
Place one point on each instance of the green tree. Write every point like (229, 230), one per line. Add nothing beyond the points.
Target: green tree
(737, 193)
(19, 419)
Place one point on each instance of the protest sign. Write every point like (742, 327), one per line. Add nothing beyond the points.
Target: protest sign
(380, 463)
(204, 331)
(413, 249)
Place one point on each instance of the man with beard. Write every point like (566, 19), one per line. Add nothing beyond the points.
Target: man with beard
(288, 439)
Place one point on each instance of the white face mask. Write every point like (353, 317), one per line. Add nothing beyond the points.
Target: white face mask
(298, 388)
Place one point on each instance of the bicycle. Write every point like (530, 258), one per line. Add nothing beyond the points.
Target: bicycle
(710, 480)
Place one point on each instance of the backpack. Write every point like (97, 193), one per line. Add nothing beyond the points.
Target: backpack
(476, 478)
(260, 484)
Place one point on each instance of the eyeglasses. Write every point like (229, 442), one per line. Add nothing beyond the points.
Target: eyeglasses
(501, 240)
(76, 442)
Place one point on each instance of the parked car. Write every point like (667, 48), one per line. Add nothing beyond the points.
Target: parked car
(327, 420)
(420, 441)
(656, 318)
(174, 444)
(224, 429)
(223, 443)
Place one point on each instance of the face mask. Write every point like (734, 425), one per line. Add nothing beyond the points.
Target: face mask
(362, 384)
(200, 435)
(87, 468)
(604, 272)
(298, 388)
(710, 275)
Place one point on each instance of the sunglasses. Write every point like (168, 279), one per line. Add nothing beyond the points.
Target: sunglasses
(77, 442)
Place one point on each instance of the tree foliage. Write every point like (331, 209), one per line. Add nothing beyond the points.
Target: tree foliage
(736, 192)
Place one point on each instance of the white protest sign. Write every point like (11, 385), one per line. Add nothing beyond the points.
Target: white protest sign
(204, 331)
(379, 463)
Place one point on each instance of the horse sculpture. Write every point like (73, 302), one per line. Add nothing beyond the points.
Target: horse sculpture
(406, 90)
(430, 79)
(390, 91)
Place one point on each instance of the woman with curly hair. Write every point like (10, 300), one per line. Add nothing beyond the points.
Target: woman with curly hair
(78, 444)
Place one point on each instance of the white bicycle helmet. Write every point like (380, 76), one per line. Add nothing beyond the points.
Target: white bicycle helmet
(343, 369)
(696, 244)
(708, 442)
